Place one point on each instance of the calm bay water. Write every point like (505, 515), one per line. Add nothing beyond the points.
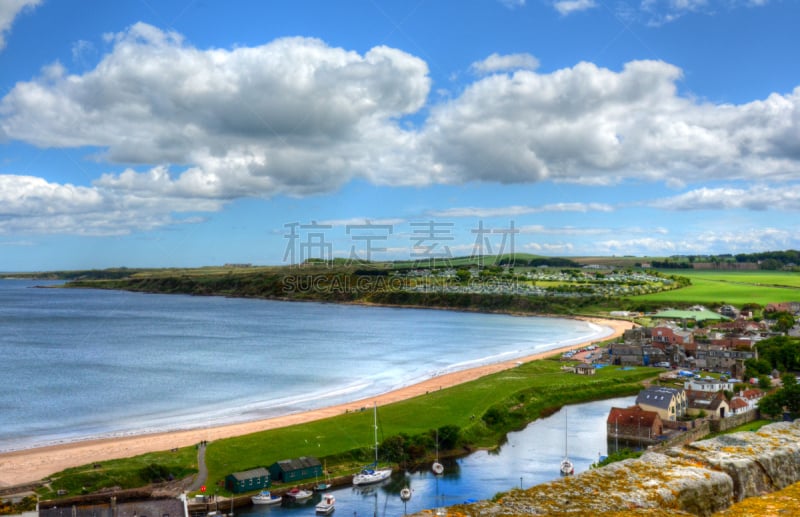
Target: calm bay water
(528, 457)
(82, 363)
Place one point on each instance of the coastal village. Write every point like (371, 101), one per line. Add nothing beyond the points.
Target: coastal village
(705, 386)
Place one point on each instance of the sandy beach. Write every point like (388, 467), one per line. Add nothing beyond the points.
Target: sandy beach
(35, 464)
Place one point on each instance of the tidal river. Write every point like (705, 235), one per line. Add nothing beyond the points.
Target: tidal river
(81, 363)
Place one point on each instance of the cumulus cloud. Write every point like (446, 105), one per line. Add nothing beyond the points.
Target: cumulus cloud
(592, 125)
(9, 10)
(297, 117)
(33, 205)
(757, 197)
(293, 116)
(566, 7)
(504, 63)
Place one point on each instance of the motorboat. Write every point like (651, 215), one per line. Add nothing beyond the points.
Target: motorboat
(326, 505)
(266, 497)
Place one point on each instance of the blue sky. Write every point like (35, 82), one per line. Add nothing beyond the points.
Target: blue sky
(187, 133)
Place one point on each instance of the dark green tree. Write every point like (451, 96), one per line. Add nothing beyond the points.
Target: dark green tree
(756, 367)
(393, 448)
(784, 321)
(765, 382)
(449, 436)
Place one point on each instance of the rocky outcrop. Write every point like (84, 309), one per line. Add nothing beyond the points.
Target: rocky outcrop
(696, 479)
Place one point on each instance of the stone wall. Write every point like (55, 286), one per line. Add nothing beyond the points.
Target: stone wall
(730, 422)
(696, 431)
(696, 479)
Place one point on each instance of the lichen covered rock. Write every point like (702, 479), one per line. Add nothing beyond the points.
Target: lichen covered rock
(757, 463)
(697, 479)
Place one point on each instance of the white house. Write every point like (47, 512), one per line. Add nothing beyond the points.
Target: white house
(706, 385)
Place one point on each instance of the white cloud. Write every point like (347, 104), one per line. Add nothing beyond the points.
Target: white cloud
(536, 229)
(82, 51)
(737, 240)
(566, 7)
(759, 197)
(516, 210)
(298, 117)
(660, 12)
(549, 247)
(362, 221)
(33, 205)
(512, 4)
(591, 125)
(9, 10)
(504, 63)
(293, 116)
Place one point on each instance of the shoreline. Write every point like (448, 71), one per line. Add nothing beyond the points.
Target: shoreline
(30, 465)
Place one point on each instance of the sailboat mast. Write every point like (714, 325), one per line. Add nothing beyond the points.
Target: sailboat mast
(375, 417)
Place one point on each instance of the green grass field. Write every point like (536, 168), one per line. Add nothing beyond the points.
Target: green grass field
(344, 442)
(732, 287)
(528, 390)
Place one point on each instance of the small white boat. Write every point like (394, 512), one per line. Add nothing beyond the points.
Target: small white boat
(266, 497)
(299, 495)
(326, 505)
(567, 469)
(405, 494)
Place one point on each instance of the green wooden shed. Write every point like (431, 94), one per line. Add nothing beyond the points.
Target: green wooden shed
(248, 480)
(296, 469)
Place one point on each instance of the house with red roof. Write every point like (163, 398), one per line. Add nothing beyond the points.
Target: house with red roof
(750, 397)
(633, 424)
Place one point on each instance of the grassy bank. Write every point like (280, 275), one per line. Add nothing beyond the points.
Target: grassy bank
(484, 410)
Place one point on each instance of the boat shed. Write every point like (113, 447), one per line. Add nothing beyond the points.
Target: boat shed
(248, 480)
(296, 469)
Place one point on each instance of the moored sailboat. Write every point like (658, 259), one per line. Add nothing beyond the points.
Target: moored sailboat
(437, 467)
(566, 467)
(372, 475)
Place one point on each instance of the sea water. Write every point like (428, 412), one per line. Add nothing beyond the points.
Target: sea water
(81, 363)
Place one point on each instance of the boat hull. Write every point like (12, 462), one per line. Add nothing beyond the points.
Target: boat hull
(266, 498)
(371, 476)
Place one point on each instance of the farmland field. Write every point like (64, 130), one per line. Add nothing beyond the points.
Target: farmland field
(733, 287)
